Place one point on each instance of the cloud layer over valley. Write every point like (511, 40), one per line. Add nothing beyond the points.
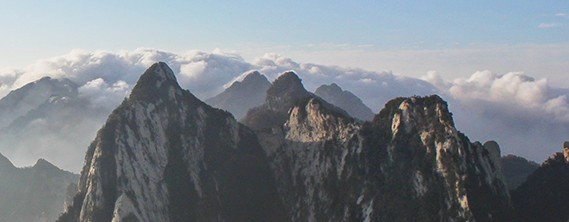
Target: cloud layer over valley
(527, 116)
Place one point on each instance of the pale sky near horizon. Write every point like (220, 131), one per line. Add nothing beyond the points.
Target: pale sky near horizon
(454, 38)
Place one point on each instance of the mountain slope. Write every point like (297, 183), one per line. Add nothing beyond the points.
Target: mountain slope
(543, 197)
(516, 170)
(48, 119)
(164, 155)
(18, 102)
(242, 95)
(345, 100)
(32, 194)
(409, 163)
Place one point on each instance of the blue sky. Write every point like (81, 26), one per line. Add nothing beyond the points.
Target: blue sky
(310, 31)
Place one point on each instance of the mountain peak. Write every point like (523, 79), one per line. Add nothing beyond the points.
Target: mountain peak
(248, 92)
(44, 164)
(157, 82)
(416, 112)
(251, 79)
(254, 76)
(345, 100)
(285, 91)
(287, 80)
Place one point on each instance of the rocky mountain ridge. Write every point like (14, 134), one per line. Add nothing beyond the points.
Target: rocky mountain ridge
(49, 119)
(543, 196)
(33, 194)
(345, 100)
(409, 163)
(164, 155)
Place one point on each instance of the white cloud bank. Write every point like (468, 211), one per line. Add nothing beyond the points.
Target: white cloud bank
(526, 116)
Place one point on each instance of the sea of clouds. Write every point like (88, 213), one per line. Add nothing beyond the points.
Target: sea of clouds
(526, 115)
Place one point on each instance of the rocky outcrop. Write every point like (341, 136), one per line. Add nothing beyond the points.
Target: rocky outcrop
(346, 100)
(32, 194)
(242, 95)
(409, 163)
(164, 155)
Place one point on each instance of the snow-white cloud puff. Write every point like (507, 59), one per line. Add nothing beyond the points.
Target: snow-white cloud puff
(104, 95)
(527, 116)
(513, 90)
(204, 73)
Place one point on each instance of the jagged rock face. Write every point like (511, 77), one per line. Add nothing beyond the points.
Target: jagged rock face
(163, 155)
(32, 194)
(346, 100)
(516, 170)
(413, 144)
(409, 163)
(543, 197)
(566, 150)
(242, 95)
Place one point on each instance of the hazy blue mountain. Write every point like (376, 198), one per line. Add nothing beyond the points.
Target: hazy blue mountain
(31, 194)
(346, 100)
(242, 95)
(48, 119)
(20, 101)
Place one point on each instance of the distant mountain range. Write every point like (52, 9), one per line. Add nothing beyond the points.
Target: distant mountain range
(266, 152)
(345, 100)
(242, 95)
(48, 119)
(34, 194)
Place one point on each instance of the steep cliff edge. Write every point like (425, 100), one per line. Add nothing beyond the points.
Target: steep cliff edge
(163, 155)
(409, 163)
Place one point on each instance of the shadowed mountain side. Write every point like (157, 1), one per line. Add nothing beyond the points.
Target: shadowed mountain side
(33, 194)
(242, 95)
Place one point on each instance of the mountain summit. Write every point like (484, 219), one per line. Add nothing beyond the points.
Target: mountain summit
(409, 163)
(345, 100)
(164, 155)
(242, 95)
(33, 194)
